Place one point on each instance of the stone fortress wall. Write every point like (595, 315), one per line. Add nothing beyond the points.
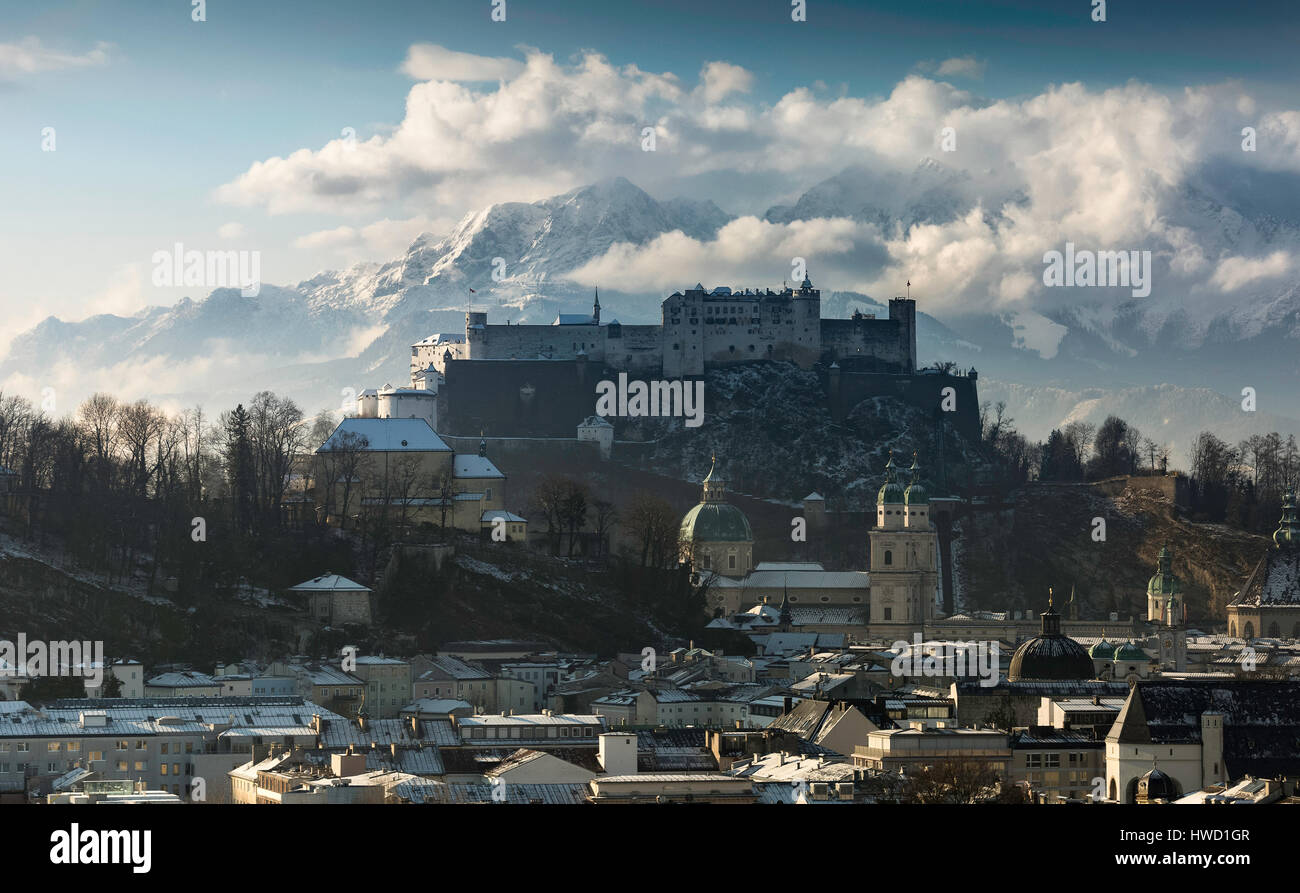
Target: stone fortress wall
(539, 380)
(700, 328)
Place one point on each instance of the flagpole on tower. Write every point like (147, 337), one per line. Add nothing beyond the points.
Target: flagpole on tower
(909, 289)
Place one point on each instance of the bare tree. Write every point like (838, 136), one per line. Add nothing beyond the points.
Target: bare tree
(339, 460)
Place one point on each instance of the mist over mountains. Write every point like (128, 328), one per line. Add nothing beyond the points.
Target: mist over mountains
(1173, 364)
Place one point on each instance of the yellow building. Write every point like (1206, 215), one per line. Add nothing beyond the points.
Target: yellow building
(400, 470)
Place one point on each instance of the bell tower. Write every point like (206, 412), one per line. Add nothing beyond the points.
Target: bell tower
(902, 555)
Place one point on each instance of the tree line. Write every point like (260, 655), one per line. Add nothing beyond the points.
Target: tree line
(1241, 484)
(190, 500)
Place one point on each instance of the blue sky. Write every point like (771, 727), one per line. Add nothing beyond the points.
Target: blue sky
(172, 110)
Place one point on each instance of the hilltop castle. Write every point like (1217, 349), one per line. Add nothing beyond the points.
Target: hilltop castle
(700, 329)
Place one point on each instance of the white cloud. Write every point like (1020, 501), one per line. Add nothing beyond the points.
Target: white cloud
(746, 250)
(719, 80)
(30, 56)
(382, 239)
(430, 62)
(962, 67)
(1105, 169)
(1234, 273)
(124, 295)
(230, 230)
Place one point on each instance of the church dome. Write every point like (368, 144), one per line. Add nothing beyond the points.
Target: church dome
(915, 493)
(1050, 655)
(1103, 650)
(1156, 785)
(716, 522)
(892, 491)
(1130, 652)
(1163, 582)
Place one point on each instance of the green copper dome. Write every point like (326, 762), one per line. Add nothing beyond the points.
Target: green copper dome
(1103, 650)
(1287, 535)
(1129, 651)
(1164, 582)
(915, 493)
(716, 522)
(892, 492)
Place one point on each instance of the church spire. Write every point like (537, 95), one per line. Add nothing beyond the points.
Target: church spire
(1287, 535)
(595, 310)
(714, 487)
(1051, 619)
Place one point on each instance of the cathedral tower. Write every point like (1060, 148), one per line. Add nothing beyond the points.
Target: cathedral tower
(903, 555)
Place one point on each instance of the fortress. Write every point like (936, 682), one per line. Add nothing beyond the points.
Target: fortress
(540, 380)
(700, 329)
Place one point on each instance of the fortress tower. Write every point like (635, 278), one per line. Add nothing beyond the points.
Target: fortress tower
(903, 310)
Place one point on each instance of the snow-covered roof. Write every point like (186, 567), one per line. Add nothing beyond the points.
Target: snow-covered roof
(472, 465)
(595, 421)
(389, 435)
(184, 679)
(574, 319)
(329, 583)
(441, 338)
(789, 566)
(503, 515)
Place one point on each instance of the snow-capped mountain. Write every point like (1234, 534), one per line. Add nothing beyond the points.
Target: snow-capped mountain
(513, 250)
(355, 326)
(932, 193)
(1152, 358)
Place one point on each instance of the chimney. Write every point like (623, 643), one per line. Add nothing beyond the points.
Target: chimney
(787, 704)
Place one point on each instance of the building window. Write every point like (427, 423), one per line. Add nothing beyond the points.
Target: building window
(889, 557)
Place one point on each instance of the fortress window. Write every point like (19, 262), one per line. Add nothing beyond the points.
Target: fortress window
(731, 562)
(732, 348)
(676, 346)
(751, 348)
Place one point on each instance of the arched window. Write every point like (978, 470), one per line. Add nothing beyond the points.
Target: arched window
(889, 557)
(1273, 630)
(1248, 631)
